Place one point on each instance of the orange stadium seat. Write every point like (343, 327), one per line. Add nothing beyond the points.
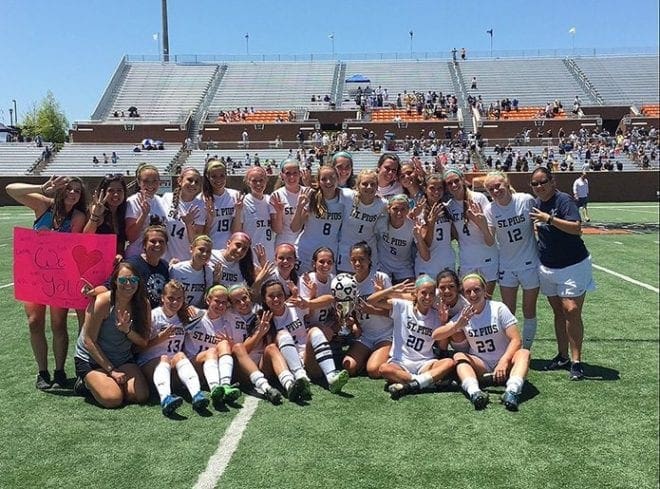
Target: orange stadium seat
(651, 110)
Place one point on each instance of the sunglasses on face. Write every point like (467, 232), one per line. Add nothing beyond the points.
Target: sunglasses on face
(541, 182)
(132, 279)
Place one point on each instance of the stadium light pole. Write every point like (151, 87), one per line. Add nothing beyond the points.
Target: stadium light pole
(571, 31)
(411, 43)
(490, 33)
(15, 112)
(332, 44)
(247, 44)
(11, 117)
(166, 36)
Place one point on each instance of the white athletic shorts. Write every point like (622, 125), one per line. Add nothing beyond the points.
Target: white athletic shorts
(488, 271)
(370, 341)
(527, 279)
(413, 366)
(571, 281)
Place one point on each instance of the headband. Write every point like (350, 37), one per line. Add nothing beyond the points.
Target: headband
(216, 288)
(455, 172)
(342, 154)
(423, 279)
(475, 276)
(288, 245)
(238, 286)
(212, 164)
(202, 237)
(288, 161)
(240, 234)
(397, 198)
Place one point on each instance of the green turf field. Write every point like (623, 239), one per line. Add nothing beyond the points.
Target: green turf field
(598, 433)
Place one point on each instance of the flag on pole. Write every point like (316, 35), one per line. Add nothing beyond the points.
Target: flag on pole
(155, 36)
(490, 32)
(247, 36)
(411, 33)
(331, 36)
(571, 30)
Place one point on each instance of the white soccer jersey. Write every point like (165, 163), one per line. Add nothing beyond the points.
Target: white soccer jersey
(485, 331)
(293, 321)
(231, 271)
(241, 325)
(203, 335)
(195, 282)
(257, 222)
(318, 316)
(396, 249)
(178, 244)
(359, 225)
(224, 208)
(172, 345)
(322, 231)
(157, 215)
(412, 332)
(373, 325)
(441, 251)
(290, 201)
(473, 251)
(514, 230)
(389, 190)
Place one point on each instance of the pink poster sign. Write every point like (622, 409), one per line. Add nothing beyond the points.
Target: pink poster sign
(49, 267)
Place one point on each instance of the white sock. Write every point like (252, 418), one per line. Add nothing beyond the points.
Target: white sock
(515, 384)
(529, 332)
(323, 353)
(470, 385)
(225, 368)
(162, 380)
(211, 374)
(188, 375)
(286, 379)
(259, 381)
(424, 380)
(290, 353)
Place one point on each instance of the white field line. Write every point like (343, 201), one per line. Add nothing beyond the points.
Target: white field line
(626, 278)
(6, 285)
(623, 207)
(227, 446)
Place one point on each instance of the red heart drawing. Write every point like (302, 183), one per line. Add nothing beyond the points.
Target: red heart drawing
(84, 260)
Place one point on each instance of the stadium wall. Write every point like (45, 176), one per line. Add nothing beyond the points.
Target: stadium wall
(640, 186)
(127, 133)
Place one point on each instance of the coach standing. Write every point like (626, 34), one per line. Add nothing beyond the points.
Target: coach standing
(581, 194)
(565, 270)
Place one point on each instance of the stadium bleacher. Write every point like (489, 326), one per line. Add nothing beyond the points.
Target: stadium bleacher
(18, 158)
(76, 159)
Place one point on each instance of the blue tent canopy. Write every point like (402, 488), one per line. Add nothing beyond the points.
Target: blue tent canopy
(357, 78)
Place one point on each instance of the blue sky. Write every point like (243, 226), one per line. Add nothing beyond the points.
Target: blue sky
(72, 47)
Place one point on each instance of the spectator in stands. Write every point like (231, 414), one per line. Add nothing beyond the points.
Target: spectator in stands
(59, 205)
(95, 160)
(577, 103)
(278, 141)
(136, 148)
(245, 137)
(114, 158)
(108, 210)
(463, 54)
(474, 83)
(105, 159)
(132, 111)
(301, 138)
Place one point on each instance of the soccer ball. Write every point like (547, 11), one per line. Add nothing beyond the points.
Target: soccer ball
(344, 287)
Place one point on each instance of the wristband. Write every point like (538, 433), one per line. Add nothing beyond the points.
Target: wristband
(550, 219)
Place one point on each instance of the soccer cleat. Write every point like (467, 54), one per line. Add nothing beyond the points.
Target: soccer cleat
(479, 400)
(577, 372)
(79, 388)
(510, 400)
(558, 363)
(487, 379)
(200, 401)
(338, 382)
(170, 404)
(231, 393)
(59, 380)
(273, 396)
(43, 380)
(306, 389)
(397, 391)
(217, 394)
(296, 391)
